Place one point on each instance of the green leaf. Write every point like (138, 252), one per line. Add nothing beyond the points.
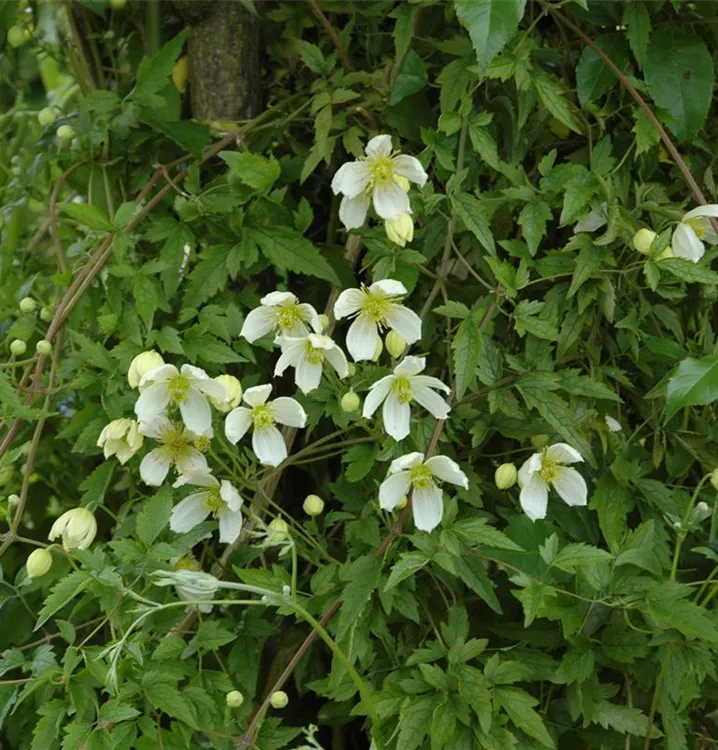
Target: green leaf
(254, 170)
(646, 134)
(146, 298)
(638, 20)
(593, 77)
(168, 699)
(577, 196)
(208, 277)
(115, 711)
(518, 704)
(679, 75)
(471, 212)
(686, 270)
(362, 577)
(527, 320)
(408, 564)
(192, 137)
(154, 516)
(154, 74)
(613, 504)
(573, 556)
(467, 348)
(288, 250)
(411, 79)
(211, 636)
(453, 309)
(95, 485)
(414, 722)
(485, 145)
(622, 719)
(87, 214)
(695, 383)
(64, 590)
(478, 531)
(491, 24)
(552, 96)
(532, 220)
(202, 346)
(666, 604)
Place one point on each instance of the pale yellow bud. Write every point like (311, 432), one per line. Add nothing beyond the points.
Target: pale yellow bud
(234, 699)
(395, 344)
(643, 239)
(667, 253)
(278, 530)
(350, 402)
(351, 369)
(401, 230)
(714, 479)
(28, 305)
(540, 441)
(18, 347)
(378, 350)
(38, 563)
(77, 527)
(43, 347)
(13, 500)
(506, 476)
(65, 132)
(279, 699)
(121, 438)
(313, 505)
(46, 117)
(234, 393)
(141, 365)
(46, 314)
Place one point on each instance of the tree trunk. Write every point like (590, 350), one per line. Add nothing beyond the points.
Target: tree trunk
(224, 73)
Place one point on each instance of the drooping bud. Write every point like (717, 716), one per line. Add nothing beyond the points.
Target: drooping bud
(38, 563)
(351, 369)
(43, 347)
(279, 699)
(540, 441)
(613, 424)
(46, 314)
(46, 116)
(669, 252)
(234, 393)
(17, 36)
(313, 505)
(28, 305)
(395, 344)
(401, 230)
(13, 500)
(643, 239)
(121, 438)
(278, 531)
(234, 699)
(350, 402)
(700, 513)
(141, 365)
(506, 476)
(77, 527)
(18, 347)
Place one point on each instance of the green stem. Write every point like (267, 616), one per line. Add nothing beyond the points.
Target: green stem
(680, 537)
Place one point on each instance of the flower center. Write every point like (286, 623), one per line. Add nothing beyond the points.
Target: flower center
(288, 316)
(382, 170)
(375, 307)
(402, 390)
(313, 355)
(262, 417)
(549, 469)
(188, 562)
(175, 444)
(178, 387)
(213, 501)
(201, 443)
(421, 477)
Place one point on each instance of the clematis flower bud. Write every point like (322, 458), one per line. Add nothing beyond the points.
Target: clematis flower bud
(65, 132)
(350, 402)
(46, 116)
(313, 505)
(505, 476)
(539, 441)
(643, 239)
(234, 699)
(279, 699)
(27, 305)
(234, 393)
(43, 347)
(141, 365)
(278, 531)
(324, 321)
(401, 230)
(395, 344)
(714, 479)
(121, 438)
(77, 527)
(18, 347)
(38, 563)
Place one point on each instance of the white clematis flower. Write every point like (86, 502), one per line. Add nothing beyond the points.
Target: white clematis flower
(121, 438)
(188, 388)
(613, 424)
(694, 228)
(178, 449)
(411, 473)
(77, 528)
(375, 308)
(281, 313)
(380, 177)
(547, 469)
(398, 390)
(220, 499)
(307, 356)
(267, 441)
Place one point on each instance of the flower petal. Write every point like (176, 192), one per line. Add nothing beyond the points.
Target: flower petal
(411, 168)
(212, 388)
(278, 298)
(429, 382)
(410, 366)
(686, 243)
(195, 411)
(228, 493)
(528, 468)
(390, 201)
(351, 178)
(257, 395)
(238, 421)
(442, 467)
(397, 417)
(291, 356)
(362, 338)
(189, 512)
(259, 322)
(192, 462)
(197, 478)
(152, 402)
(309, 315)
(710, 210)
(288, 411)
(571, 486)
(353, 211)
(338, 360)
(378, 392)
(405, 322)
(156, 428)
(308, 376)
(379, 145)
(431, 401)
(534, 497)
(407, 461)
(563, 453)
(154, 467)
(388, 287)
(230, 525)
(428, 507)
(268, 445)
(393, 490)
(159, 374)
(350, 301)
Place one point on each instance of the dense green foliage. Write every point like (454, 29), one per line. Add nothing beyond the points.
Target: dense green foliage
(132, 227)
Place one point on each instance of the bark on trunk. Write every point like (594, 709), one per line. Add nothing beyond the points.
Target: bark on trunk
(224, 72)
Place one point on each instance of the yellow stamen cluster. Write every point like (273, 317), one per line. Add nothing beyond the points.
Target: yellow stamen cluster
(421, 477)
(213, 501)
(175, 443)
(262, 417)
(402, 389)
(314, 356)
(178, 387)
(549, 469)
(288, 315)
(375, 307)
(382, 170)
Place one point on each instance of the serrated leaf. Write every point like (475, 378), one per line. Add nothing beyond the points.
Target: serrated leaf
(533, 219)
(154, 516)
(478, 531)
(411, 79)
(686, 270)
(622, 719)
(638, 20)
(168, 699)
(362, 576)
(471, 212)
(553, 97)
(61, 593)
(467, 349)
(518, 704)
(408, 564)
(453, 310)
(254, 170)
(573, 556)
(211, 636)
(87, 214)
(593, 77)
(155, 73)
(694, 383)
(208, 277)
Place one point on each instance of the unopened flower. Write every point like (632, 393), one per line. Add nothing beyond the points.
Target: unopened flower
(547, 469)
(234, 393)
(141, 365)
(714, 479)
(191, 585)
(613, 424)
(191, 592)
(38, 563)
(277, 531)
(400, 230)
(18, 347)
(234, 699)
(28, 305)
(177, 449)
(43, 347)
(505, 476)
(643, 239)
(280, 313)
(350, 402)
(380, 177)
(187, 388)
(410, 473)
(220, 499)
(262, 415)
(693, 229)
(313, 505)
(77, 527)
(121, 438)
(375, 308)
(398, 390)
(306, 355)
(395, 344)
(279, 699)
